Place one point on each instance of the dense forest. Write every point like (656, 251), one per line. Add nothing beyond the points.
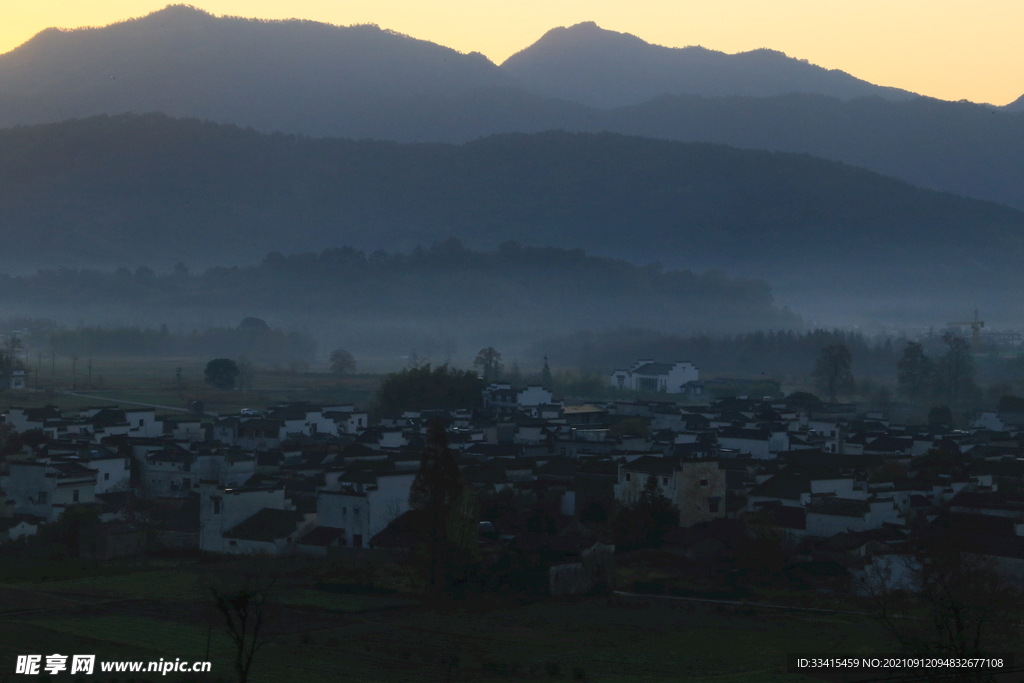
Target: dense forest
(428, 298)
(253, 338)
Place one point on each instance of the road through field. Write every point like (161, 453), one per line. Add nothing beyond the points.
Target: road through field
(131, 403)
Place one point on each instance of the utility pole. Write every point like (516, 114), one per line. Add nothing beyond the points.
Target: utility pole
(89, 383)
(74, 371)
(39, 364)
(177, 373)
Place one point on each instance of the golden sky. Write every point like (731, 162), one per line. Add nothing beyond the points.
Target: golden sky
(950, 49)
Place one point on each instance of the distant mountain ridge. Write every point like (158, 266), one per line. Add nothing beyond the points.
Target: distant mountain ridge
(585, 63)
(364, 82)
(184, 62)
(181, 58)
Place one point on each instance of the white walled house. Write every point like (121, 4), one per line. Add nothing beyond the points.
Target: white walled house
(259, 433)
(270, 532)
(646, 375)
(223, 510)
(113, 471)
(12, 528)
(143, 422)
(24, 419)
(229, 469)
(46, 489)
(761, 444)
(534, 396)
(696, 487)
(169, 473)
(363, 503)
(185, 429)
(347, 421)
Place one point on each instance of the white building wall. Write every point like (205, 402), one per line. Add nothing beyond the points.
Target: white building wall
(534, 396)
(755, 447)
(223, 509)
(112, 474)
(144, 423)
(842, 488)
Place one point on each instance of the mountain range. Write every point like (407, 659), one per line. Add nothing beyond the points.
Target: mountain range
(364, 82)
(150, 190)
(587, 64)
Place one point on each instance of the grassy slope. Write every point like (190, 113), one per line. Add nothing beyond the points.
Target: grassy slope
(159, 611)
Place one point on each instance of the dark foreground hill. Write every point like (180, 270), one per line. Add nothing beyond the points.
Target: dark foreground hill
(153, 190)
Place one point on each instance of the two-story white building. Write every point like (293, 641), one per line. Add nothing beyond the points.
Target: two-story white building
(248, 520)
(646, 375)
(363, 503)
(46, 489)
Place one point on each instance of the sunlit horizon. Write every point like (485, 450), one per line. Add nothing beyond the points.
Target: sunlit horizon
(940, 48)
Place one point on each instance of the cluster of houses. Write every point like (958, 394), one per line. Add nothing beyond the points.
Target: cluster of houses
(849, 491)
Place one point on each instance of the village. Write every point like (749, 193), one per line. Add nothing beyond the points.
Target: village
(845, 496)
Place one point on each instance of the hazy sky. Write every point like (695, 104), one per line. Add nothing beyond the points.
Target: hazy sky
(951, 49)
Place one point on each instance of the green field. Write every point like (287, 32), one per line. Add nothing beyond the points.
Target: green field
(146, 380)
(162, 610)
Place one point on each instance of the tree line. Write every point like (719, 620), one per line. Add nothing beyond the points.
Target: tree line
(252, 338)
(444, 280)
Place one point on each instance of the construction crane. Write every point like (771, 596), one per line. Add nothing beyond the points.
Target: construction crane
(975, 326)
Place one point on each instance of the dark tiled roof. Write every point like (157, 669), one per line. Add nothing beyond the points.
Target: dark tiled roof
(840, 507)
(846, 541)
(649, 464)
(598, 466)
(786, 517)
(322, 536)
(785, 485)
(740, 433)
(653, 369)
(72, 469)
(9, 522)
(405, 531)
(267, 525)
(551, 544)
(559, 467)
(986, 501)
(730, 532)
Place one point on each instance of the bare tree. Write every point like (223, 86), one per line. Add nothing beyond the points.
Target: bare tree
(242, 600)
(246, 372)
(342, 362)
(940, 600)
(489, 361)
(915, 372)
(833, 371)
(956, 369)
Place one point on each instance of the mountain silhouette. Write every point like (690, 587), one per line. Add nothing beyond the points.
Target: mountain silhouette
(289, 75)
(1016, 105)
(603, 68)
(363, 82)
